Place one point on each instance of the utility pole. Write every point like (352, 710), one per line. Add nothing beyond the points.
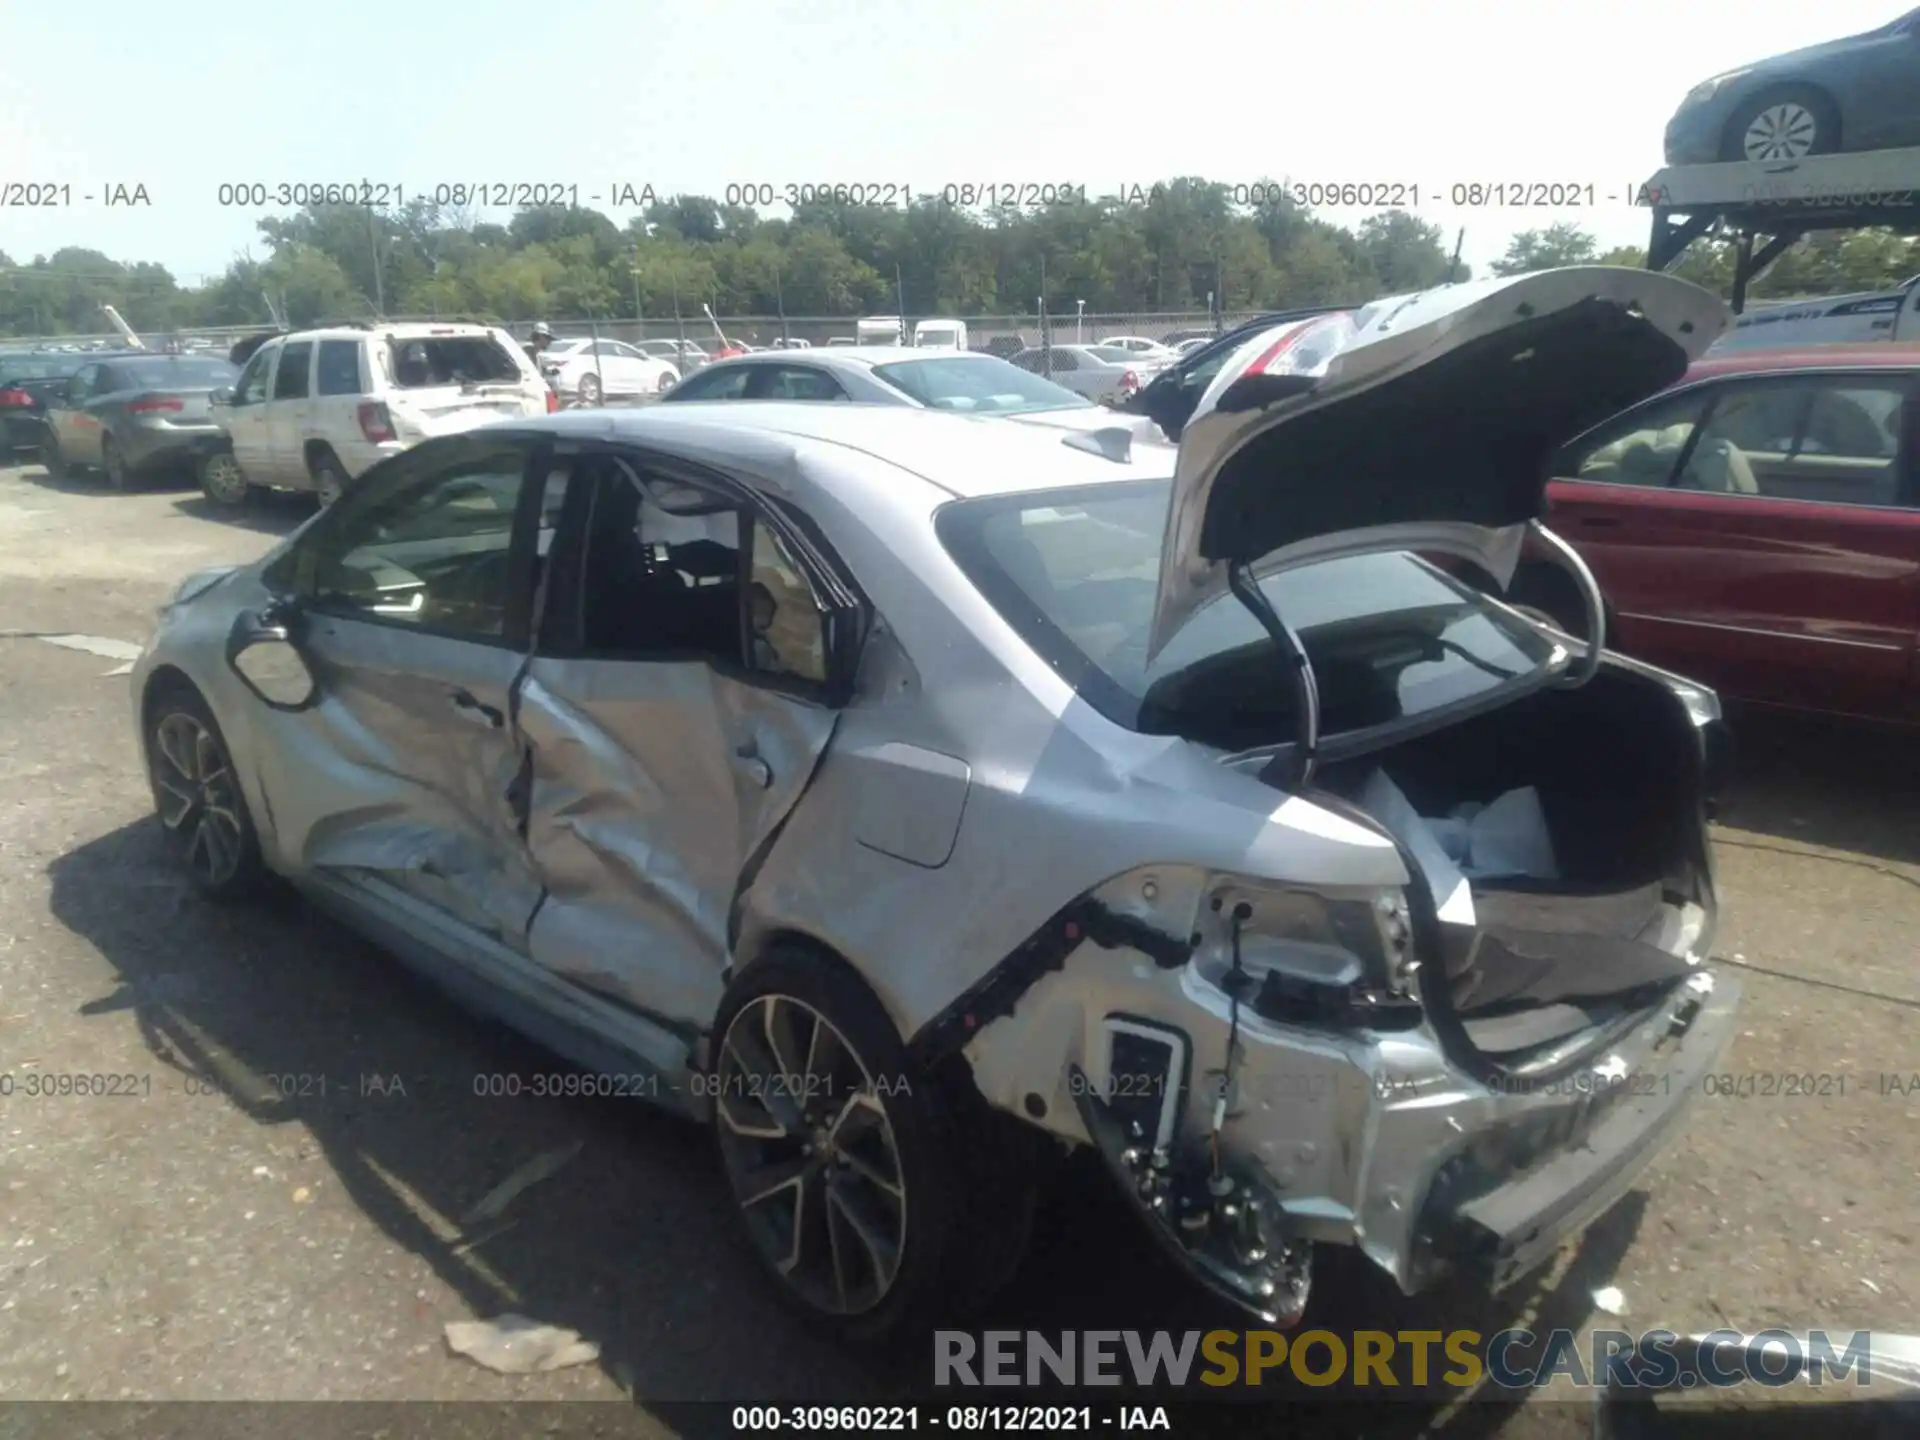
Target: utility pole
(900, 299)
(1453, 267)
(639, 318)
(780, 304)
(379, 286)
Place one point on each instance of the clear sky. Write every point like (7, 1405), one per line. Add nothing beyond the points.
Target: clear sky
(694, 95)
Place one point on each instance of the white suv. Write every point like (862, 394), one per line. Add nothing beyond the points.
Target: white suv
(315, 408)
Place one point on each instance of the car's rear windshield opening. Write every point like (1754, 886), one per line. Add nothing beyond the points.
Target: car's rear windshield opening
(34, 368)
(980, 383)
(420, 364)
(1075, 573)
(178, 372)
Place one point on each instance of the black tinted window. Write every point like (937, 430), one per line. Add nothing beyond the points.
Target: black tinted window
(290, 381)
(339, 368)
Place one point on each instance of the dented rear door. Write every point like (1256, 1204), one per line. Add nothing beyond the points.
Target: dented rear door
(663, 757)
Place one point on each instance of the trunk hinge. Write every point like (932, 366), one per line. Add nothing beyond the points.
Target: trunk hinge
(1568, 559)
(1306, 689)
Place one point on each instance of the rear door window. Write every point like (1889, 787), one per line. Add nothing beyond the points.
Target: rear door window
(293, 379)
(339, 367)
(797, 382)
(1640, 448)
(719, 384)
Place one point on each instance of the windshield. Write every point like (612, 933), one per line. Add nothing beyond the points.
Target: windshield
(1076, 573)
(982, 383)
(177, 373)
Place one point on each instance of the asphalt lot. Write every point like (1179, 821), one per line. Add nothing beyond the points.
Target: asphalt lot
(274, 1214)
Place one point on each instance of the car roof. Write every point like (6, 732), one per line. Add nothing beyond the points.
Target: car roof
(415, 330)
(1869, 354)
(863, 357)
(964, 455)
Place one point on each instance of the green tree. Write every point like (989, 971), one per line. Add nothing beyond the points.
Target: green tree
(1561, 244)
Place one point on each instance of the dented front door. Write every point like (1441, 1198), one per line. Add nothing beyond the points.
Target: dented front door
(404, 769)
(656, 785)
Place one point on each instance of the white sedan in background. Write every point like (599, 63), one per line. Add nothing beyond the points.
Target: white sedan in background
(594, 370)
(1102, 373)
(1145, 349)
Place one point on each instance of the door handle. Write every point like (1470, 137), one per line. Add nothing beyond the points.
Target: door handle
(755, 765)
(471, 709)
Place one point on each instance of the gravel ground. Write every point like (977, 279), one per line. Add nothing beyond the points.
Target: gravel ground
(275, 1213)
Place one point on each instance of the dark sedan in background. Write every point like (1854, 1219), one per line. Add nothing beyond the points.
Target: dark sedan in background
(28, 380)
(131, 415)
(1858, 93)
(1757, 527)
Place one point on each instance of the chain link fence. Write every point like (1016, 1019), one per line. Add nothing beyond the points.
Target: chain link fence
(995, 334)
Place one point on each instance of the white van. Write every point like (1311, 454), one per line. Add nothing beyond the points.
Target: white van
(879, 330)
(940, 335)
(1834, 320)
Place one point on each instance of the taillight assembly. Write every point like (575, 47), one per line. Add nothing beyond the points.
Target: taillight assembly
(155, 402)
(13, 399)
(1129, 383)
(376, 423)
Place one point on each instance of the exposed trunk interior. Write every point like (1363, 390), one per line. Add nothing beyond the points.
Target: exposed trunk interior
(1548, 965)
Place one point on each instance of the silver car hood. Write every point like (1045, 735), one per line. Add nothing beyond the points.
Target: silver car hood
(1421, 421)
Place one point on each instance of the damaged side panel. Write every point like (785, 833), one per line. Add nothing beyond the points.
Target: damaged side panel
(405, 770)
(654, 786)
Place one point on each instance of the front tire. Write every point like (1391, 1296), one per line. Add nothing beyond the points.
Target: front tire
(880, 1199)
(197, 795)
(1788, 122)
(223, 481)
(53, 458)
(589, 390)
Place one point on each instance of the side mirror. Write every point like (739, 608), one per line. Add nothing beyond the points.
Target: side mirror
(222, 396)
(263, 652)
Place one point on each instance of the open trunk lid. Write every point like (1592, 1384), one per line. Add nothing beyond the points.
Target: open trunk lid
(1418, 422)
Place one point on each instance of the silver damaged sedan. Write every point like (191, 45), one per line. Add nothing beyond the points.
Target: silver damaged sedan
(913, 793)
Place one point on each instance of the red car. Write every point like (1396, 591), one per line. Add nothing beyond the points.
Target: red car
(1757, 527)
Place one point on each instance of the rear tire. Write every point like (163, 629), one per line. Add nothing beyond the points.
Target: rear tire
(223, 481)
(114, 465)
(932, 1212)
(197, 796)
(329, 479)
